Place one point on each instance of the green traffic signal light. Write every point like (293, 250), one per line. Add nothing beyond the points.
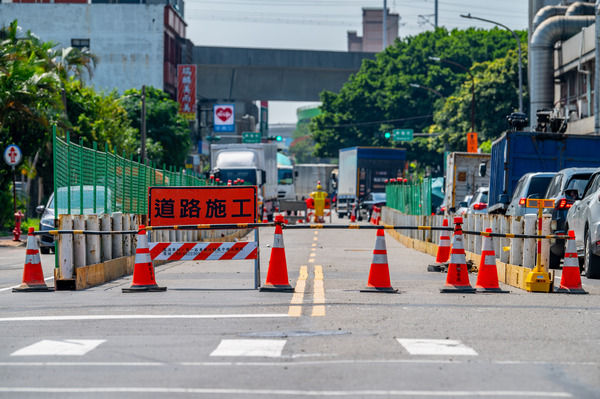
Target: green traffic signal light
(278, 138)
(387, 135)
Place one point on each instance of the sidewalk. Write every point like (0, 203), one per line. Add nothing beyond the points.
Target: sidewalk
(7, 241)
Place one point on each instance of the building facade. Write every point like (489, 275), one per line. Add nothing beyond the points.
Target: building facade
(136, 43)
(372, 38)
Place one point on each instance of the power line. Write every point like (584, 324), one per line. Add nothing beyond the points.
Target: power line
(378, 122)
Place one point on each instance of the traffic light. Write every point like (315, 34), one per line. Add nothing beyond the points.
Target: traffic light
(387, 135)
(276, 138)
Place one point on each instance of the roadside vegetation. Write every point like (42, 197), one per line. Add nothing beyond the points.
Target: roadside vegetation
(43, 85)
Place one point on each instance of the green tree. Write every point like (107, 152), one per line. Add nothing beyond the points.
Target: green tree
(380, 96)
(167, 133)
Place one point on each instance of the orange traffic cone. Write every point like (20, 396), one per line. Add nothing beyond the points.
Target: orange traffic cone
(379, 274)
(487, 277)
(443, 251)
(570, 281)
(33, 275)
(374, 215)
(457, 279)
(277, 276)
(143, 270)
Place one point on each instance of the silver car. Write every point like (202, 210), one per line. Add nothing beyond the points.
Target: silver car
(531, 185)
(584, 219)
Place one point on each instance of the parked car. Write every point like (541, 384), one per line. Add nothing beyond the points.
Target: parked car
(372, 199)
(463, 205)
(530, 185)
(478, 204)
(584, 219)
(565, 188)
(46, 241)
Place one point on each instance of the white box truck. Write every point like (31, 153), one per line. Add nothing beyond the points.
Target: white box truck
(256, 164)
(306, 176)
(462, 177)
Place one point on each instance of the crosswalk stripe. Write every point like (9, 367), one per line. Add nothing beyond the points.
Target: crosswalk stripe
(67, 347)
(436, 347)
(250, 347)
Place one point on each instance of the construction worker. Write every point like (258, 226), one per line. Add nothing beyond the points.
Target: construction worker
(319, 200)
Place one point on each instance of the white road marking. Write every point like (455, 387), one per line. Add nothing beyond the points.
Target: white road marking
(436, 347)
(280, 392)
(144, 316)
(66, 347)
(250, 347)
(17, 286)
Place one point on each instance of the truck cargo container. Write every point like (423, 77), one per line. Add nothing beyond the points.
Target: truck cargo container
(517, 153)
(363, 170)
(462, 177)
(306, 176)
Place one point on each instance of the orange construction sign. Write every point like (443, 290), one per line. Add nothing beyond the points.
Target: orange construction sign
(472, 142)
(168, 206)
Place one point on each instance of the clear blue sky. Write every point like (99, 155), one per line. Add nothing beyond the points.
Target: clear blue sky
(322, 24)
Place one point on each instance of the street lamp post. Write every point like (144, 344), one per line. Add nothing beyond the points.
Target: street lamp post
(464, 68)
(520, 62)
(434, 91)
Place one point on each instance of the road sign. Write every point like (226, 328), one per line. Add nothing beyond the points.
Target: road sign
(472, 142)
(251, 137)
(224, 117)
(402, 134)
(169, 206)
(12, 155)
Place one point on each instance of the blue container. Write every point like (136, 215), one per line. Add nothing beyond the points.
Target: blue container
(517, 153)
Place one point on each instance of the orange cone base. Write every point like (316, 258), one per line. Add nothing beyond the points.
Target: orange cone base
(491, 290)
(36, 288)
(144, 288)
(388, 290)
(276, 288)
(458, 289)
(562, 290)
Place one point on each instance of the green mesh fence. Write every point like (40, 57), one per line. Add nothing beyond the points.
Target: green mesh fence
(89, 181)
(411, 199)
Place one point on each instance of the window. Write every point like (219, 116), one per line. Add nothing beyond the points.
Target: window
(80, 43)
(554, 187)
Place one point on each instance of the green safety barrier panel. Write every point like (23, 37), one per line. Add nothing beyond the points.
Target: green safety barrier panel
(410, 198)
(104, 182)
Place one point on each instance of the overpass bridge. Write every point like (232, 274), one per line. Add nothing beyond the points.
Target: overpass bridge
(249, 74)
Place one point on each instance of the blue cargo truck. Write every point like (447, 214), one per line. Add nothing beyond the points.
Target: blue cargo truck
(517, 153)
(363, 170)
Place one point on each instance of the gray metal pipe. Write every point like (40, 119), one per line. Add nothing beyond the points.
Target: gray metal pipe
(547, 12)
(580, 8)
(541, 57)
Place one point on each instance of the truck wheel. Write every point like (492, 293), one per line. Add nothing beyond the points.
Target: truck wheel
(592, 262)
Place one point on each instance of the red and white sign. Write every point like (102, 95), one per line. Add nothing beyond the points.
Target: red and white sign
(224, 118)
(186, 90)
(203, 251)
(169, 206)
(12, 155)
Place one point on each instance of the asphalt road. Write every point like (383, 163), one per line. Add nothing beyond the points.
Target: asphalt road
(212, 335)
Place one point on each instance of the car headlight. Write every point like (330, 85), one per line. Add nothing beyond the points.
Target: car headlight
(47, 222)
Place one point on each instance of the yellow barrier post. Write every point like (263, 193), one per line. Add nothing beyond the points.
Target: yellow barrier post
(538, 280)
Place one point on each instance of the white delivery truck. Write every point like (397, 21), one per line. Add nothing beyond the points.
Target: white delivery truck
(462, 177)
(285, 178)
(256, 164)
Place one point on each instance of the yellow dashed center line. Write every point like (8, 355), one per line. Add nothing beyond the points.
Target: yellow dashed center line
(318, 293)
(295, 309)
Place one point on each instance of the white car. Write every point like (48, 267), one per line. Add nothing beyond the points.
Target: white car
(584, 219)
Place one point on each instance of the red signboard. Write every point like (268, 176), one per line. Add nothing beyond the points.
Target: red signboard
(168, 206)
(186, 90)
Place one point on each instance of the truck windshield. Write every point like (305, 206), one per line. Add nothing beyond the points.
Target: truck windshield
(285, 176)
(248, 175)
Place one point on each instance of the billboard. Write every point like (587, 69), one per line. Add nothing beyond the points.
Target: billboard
(186, 90)
(224, 117)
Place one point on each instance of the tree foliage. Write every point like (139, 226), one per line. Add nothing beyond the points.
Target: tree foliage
(380, 97)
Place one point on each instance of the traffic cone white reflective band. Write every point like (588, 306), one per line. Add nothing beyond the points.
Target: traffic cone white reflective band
(380, 259)
(487, 244)
(142, 252)
(278, 241)
(570, 281)
(490, 259)
(445, 241)
(458, 259)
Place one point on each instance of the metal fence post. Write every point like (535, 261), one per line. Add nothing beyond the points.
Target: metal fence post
(68, 188)
(80, 176)
(95, 148)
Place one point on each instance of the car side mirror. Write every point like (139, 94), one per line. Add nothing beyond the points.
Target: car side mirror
(572, 193)
(40, 209)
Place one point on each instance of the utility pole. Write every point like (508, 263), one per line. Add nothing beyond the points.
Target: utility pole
(384, 30)
(143, 128)
(436, 13)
